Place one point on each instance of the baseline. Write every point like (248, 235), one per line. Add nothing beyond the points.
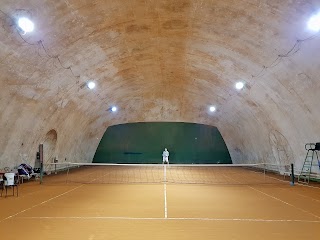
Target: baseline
(183, 219)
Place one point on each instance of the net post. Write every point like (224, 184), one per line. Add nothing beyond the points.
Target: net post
(67, 172)
(264, 170)
(292, 175)
(55, 161)
(41, 161)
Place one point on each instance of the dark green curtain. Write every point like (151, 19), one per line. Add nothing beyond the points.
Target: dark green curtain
(144, 143)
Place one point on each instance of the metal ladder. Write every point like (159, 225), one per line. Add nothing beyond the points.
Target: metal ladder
(312, 151)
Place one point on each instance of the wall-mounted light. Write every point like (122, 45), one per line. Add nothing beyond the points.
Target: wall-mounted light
(114, 109)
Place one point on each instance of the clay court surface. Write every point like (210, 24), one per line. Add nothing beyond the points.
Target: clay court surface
(225, 204)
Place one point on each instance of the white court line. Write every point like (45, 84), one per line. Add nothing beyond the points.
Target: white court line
(40, 203)
(313, 199)
(278, 199)
(165, 192)
(182, 219)
(295, 183)
(289, 204)
(300, 184)
(36, 205)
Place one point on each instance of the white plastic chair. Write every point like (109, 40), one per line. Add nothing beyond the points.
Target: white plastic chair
(10, 182)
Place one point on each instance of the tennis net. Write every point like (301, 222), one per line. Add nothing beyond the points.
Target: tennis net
(158, 173)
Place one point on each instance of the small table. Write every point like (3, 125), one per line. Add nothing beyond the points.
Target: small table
(20, 178)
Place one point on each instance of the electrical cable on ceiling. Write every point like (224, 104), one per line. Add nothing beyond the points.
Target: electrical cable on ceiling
(296, 47)
(40, 45)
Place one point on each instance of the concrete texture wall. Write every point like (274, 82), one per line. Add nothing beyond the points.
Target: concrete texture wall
(159, 61)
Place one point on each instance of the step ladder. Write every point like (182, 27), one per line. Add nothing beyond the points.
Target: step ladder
(312, 152)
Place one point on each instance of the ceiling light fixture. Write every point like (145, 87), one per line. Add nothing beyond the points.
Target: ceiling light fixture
(212, 109)
(91, 85)
(239, 85)
(314, 23)
(25, 24)
(114, 109)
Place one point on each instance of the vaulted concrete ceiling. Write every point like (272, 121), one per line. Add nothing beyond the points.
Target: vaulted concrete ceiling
(159, 60)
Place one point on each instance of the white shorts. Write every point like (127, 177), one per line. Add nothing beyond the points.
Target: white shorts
(165, 159)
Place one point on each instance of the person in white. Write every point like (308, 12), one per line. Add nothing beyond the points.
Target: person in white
(165, 156)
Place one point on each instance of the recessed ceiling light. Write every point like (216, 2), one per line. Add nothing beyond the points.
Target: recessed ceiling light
(212, 109)
(239, 85)
(91, 85)
(114, 109)
(314, 23)
(25, 24)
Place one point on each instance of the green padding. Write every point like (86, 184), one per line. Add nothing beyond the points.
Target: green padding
(144, 143)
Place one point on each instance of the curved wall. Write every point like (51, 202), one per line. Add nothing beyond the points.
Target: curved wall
(160, 61)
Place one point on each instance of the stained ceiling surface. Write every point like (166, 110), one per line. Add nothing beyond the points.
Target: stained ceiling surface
(159, 61)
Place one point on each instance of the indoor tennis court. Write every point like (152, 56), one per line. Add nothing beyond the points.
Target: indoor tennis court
(162, 201)
(159, 119)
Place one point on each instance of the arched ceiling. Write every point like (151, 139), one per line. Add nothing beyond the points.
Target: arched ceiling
(159, 61)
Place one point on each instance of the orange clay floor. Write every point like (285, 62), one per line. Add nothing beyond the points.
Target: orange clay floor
(160, 211)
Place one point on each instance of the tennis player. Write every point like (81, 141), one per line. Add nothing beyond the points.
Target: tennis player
(165, 156)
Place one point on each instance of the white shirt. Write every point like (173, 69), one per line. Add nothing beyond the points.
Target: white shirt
(165, 153)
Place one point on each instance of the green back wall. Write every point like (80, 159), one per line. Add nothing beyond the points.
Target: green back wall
(144, 143)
